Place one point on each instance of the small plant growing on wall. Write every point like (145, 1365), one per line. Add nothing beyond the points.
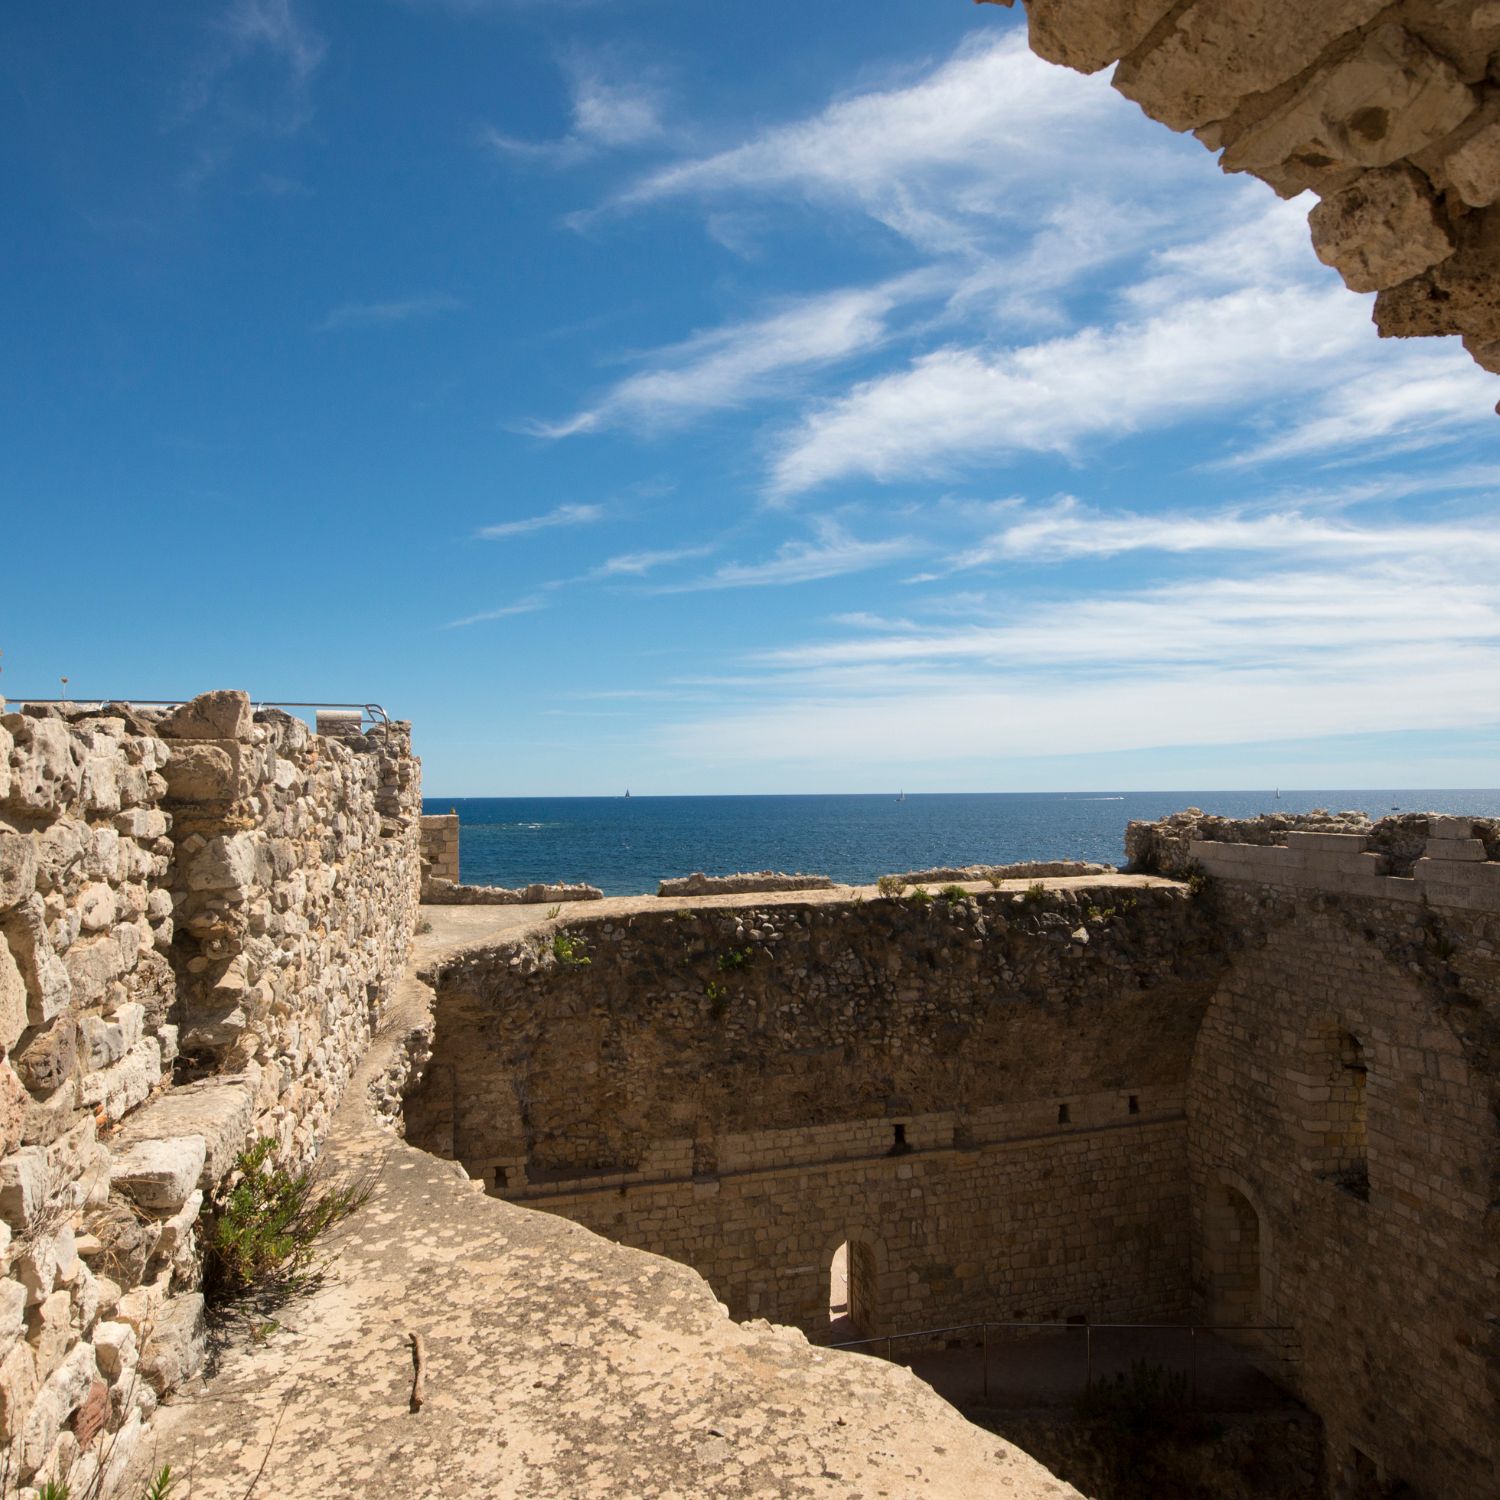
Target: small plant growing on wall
(569, 951)
(718, 999)
(890, 885)
(1035, 894)
(259, 1239)
(994, 877)
(735, 958)
(921, 896)
(553, 911)
(954, 893)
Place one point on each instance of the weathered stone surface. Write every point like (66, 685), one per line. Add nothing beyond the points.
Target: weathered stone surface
(17, 868)
(225, 863)
(13, 1018)
(178, 1342)
(699, 884)
(159, 1174)
(201, 773)
(13, 1105)
(1218, 51)
(1474, 168)
(115, 1349)
(48, 987)
(1092, 34)
(25, 1185)
(220, 715)
(1390, 98)
(48, 1058)
(215, 1111)
(18, 1385)
(60, 1396)
(1381, 231)
(115, 1090)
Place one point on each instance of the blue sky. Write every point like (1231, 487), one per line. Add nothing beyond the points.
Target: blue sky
(710, 398)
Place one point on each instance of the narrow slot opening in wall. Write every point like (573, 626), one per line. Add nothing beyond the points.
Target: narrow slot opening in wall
(899, 1144)
(1063, 1115)
(1134, 1105)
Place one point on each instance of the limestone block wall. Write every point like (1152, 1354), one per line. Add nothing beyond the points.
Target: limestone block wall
(199, 912)
(1342, 1131)
(1389, 112)
(440, 847)
(987, 1094)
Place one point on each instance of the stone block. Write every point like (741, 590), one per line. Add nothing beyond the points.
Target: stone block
(18, 1385)
(115, 1349)
(1382, 230)
(51, 1332)
(1474, 168)
(25, 1185)
(201, 773)
(119, 1088)
(159, 1174)
(49, 1057)
(48, 986)
(13, 1017)
(143, 824)
(1389, 98)
(1218, 51)
(1343, 843)
(17, 868)
(1466, 850)
(1090, 34)
(60, 1396)
(225, 863)
(179, 1340)
(221, 715)
(219, 1111)
(1448, 827)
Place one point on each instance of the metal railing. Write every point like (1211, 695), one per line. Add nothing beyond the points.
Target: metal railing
(371, 711)
(1087, 1329)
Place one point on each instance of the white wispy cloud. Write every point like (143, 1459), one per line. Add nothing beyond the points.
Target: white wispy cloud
(728, 366)
(1067, 528)
(562, 515)
(969, 140)
(831, 553)
(637, 564)
(253, 76)
(529, 605)
(386, 314)
(1397, 644)
(609, 113)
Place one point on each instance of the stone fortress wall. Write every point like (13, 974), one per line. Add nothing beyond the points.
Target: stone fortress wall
(1389, 112)
(1265, 1096)
(938, 1084)
(202, 912)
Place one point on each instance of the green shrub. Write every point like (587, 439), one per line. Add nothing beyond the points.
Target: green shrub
(890, 885)
(569, 951)
(259, 1239)
(735, 958)
(921, 896)
(1035, 893)
(954, 893)
(994, 877)
(718, 999)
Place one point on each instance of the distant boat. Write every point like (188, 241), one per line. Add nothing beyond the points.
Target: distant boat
(901, 797)
(1278, 794)
(627, 791)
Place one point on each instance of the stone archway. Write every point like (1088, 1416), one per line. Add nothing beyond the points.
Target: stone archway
(1232, 1261)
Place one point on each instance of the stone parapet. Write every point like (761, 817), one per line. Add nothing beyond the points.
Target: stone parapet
(203, 893)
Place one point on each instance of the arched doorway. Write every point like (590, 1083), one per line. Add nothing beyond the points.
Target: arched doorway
(1231, 1243)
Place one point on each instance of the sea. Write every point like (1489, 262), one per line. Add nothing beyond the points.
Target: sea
(625, 845)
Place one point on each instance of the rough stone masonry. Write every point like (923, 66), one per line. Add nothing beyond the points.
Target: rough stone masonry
(201, 911)
(1390, 113)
